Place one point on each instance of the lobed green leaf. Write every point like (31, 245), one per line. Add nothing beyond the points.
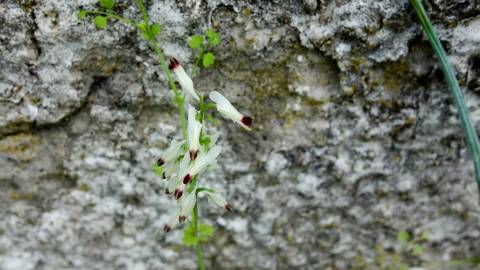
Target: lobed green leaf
(108, 4)
(195, 41)
(101, 22)
(403, 237)
(82, 14)
(213, 37)
(208, 59)
(417, 250)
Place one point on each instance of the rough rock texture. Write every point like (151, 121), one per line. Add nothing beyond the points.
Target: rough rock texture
(355, 136)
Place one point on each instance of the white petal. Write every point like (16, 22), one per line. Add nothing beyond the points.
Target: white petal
(185, 82)
(217, 199)
(203, 160)
(225, 107)
(173, 220)
(170, 169)
(173, 151)
(194, 129)
(188, 203)
(172, 185)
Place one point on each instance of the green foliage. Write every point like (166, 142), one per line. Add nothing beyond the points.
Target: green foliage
(100, 22)
(213, 37)
(469, 129)
(158, 170)
(82, 14)
(403, 237)
(108, 4)
(204, 233)
(155, 29)
(417, 250)
(409, 246)
(195, 41)
(208, 59)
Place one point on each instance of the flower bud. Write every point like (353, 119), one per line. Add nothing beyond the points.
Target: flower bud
(183, 78)
(226, 109)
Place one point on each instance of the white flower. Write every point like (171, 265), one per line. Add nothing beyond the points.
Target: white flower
(183, 78)
(172, 221)
(219, 200)
(169, 169)
(172, 152)
(228, 111)
(194, 130)
(178, 186)
(187, 205)
(202, 162)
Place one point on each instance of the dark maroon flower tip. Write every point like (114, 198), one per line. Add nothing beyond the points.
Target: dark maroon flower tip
(187, 179)
(167, 191)
(166, 228)
(193, 154)
(173, 63)
(178, 194)
(160, 162)
(182, 218)
(246, 120)
(228, 207)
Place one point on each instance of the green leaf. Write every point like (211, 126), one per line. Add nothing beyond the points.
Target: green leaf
(403, 237)
(100, 22)
(195, 41)
(189, 238)
(403, 267)
(108, 4)
(204, 232)
(82, 14)
(417, 250)
(208, 59)
(425, 236)
(158, 170)
(205, 140)
(213, 37)
(155, 28)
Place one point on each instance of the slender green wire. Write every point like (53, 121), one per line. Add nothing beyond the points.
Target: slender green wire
(468, 128)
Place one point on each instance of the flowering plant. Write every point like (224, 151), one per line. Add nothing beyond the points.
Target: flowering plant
(185, 159)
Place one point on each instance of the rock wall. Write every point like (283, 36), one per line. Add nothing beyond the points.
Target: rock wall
(356, 137)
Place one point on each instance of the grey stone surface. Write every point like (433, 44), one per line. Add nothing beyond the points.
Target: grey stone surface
(355, 135)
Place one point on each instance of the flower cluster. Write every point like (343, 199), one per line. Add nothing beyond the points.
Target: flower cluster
(184, 160)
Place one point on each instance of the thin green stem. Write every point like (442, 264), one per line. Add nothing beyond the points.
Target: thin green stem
(178, 97)
(180, 101)
(198, 250)
(468, 128)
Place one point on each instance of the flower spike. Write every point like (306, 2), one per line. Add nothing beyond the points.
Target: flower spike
(183, 78)
(194, 130)
(228, 111)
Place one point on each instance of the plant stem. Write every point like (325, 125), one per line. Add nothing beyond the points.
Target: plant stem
(468, 128)
(180, 100)
(178, 97)
(198, 250)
